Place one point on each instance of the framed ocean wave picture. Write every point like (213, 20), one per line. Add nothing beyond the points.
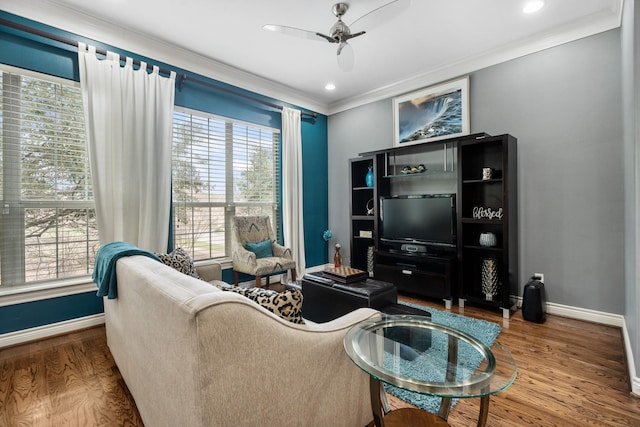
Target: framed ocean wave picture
(432, 113)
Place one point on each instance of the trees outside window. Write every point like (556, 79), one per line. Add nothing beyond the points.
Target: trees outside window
(47, 217)
(221, 168)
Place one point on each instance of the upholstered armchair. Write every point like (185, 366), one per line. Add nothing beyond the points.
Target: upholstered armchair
(255, 250)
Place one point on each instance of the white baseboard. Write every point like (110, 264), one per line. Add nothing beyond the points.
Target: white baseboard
(581, 314)
(635, 381)
(46, 331)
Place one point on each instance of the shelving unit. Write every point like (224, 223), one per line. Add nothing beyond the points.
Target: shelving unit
(456, 164)
(363, 199)
(487, 206)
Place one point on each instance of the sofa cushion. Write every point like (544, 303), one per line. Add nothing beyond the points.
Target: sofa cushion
(287, 304)
(261, 249)
(181, 261)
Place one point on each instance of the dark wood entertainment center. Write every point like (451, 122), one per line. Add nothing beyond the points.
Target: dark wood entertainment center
(485, 205)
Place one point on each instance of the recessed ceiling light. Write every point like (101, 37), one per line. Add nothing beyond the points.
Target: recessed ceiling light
(330, 86)
(533, 6)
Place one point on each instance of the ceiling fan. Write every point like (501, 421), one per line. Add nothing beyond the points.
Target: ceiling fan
(341, 33)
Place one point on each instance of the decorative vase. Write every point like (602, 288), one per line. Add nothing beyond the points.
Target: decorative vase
(337, 258)
(487, 239)
(370, 259)
(490, 283)
(368, 179)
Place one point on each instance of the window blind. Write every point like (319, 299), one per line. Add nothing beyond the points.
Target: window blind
(48, 218)
(221, 168)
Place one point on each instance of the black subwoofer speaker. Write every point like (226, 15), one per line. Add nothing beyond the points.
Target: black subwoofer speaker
(534, 302)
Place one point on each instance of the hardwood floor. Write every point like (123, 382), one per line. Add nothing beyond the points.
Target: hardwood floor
(70, 380)
(571, 373)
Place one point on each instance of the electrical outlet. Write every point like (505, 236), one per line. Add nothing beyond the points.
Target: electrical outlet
(539, 276)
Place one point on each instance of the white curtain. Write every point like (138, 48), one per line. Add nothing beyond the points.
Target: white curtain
(129, 119)
(292, 212)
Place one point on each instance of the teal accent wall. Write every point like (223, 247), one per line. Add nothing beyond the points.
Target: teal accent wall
(37, 313)
(54, 58)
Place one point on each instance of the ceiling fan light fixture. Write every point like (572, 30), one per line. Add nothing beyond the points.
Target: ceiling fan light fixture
(346, 57)
(533, 6)
(330, 86)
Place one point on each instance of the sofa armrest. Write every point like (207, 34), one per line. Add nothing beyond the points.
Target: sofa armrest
(210, 272)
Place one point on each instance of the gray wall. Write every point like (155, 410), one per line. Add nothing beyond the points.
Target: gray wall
(352, 132)
(563, 105)
(630, 41)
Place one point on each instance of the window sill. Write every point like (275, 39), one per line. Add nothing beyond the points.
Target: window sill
(12, 295)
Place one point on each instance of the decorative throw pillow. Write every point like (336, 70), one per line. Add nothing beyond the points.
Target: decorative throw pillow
(261, 249)
(287, 304)
(181, 261)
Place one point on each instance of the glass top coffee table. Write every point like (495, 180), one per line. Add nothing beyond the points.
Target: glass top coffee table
(415, 354)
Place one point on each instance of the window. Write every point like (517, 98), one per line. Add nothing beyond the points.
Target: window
(47, 215)
(221, 168)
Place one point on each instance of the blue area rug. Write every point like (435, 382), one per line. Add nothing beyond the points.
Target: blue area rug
(487, 332)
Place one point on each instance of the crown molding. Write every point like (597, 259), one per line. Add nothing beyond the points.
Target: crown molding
(52, 13)
(577, 30)
(62, 17)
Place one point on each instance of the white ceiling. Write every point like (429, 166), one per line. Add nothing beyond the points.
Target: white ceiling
(431, 41)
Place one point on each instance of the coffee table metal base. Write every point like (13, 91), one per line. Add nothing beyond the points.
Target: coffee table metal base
(384, 416)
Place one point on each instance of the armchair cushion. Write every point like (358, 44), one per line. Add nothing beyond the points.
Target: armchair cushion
(287, 304)
(261, 249)
(181, 261)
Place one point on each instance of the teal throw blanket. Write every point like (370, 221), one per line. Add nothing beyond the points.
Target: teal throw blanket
(104, 272)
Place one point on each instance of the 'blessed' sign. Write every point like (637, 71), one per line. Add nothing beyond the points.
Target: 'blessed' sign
(486, 213)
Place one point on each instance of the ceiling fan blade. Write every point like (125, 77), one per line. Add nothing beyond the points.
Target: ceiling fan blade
(297, 32)
(346, 37)
(327, 38)
(381, 15)
(346, 57)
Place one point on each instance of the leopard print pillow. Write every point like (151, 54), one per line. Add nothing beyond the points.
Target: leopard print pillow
(181, 261)
(287, 304)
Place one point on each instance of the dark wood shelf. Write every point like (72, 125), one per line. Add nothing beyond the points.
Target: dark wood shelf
(485, 302)
(481, 221)
(418, 174)
(483, 248)
(483, 181)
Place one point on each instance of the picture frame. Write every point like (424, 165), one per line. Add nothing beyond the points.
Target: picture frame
(432, 113)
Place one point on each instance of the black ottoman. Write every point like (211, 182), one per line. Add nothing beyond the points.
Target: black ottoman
(326, 299)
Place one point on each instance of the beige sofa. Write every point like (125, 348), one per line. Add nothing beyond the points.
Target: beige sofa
(193, 355)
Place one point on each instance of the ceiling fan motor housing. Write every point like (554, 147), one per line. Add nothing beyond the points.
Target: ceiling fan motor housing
(339, 30)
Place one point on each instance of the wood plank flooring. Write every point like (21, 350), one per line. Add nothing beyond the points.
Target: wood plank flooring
(571, 373)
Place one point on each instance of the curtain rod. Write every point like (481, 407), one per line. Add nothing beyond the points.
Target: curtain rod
(182, 78)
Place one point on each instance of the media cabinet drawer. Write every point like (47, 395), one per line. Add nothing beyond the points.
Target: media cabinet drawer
(435, 284)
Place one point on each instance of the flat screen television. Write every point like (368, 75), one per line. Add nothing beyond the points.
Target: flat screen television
(416, 223)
